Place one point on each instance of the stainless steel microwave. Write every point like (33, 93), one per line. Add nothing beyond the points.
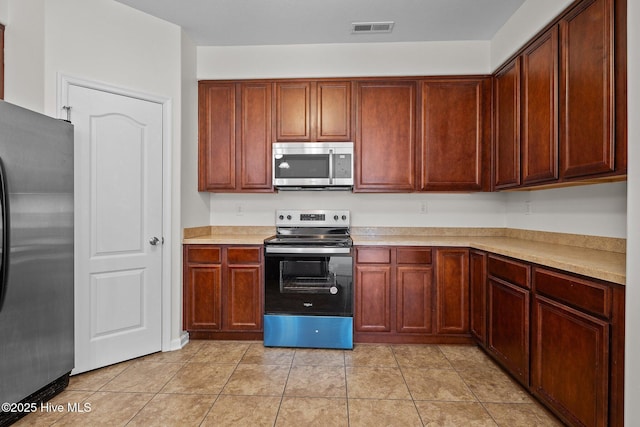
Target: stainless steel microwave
(313, 165)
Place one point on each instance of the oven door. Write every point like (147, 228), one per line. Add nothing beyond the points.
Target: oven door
(308, 281)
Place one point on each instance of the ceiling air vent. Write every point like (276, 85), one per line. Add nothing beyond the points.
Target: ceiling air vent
(371, 27)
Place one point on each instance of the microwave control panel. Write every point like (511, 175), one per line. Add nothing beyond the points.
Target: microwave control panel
(342, 165)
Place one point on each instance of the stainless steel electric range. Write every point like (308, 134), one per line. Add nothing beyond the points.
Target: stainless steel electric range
(308, 298)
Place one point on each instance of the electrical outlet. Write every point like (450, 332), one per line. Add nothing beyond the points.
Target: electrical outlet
(424, 209)
(239, 209)
(527, 207)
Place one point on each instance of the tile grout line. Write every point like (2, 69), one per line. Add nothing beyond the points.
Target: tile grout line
(275, 420)
(482, 404)
(413, 400)
(184, 364)
(346, 385)
(221, 388)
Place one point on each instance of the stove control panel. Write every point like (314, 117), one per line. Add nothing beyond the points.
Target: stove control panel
(313, 218)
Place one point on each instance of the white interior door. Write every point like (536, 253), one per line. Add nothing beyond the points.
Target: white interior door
(118, 223)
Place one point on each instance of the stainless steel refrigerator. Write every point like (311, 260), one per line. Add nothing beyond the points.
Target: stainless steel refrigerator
(36, 270)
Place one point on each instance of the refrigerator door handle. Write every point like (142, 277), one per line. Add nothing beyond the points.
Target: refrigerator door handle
(4, 239)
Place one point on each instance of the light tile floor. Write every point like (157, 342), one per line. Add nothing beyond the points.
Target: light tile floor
(233, 383)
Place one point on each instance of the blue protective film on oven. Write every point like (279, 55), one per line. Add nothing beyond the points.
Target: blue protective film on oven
(308, 331)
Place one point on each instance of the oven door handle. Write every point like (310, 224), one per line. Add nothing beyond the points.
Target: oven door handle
(305, 250)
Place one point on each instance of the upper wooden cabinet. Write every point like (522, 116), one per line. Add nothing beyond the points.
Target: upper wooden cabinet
(385, 136)
(587, 90)
(313, 111)
(454, 144)
(217, 136)
(540, 109)
(235, 137)
(333, 112)
(559, 110)
(560, 104)
(526, 116)
(506, 112)
(293, 111)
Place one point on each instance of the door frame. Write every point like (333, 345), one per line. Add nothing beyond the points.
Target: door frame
(64, 82)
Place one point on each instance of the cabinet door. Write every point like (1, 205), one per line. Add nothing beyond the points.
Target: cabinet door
(385, 136)
(255, 137)
(333, 111)
(540, 109)
(452, 291)
(414, 298)
(508, 327)
(243, 308)
(454, 128)
(570, 362)
(217, 136)
(373, 298)
(507, 126)
(293, 111)
(587, 88)
(202, 297)
(478, 297)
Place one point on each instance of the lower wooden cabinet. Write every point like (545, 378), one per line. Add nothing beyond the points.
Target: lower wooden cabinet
(478, 295)
(452, 291)
(508, 308)
(508, 332)
(559, 334)
(572, 348)
(405, 295)
(373, 298)
(570, 362)
(223, 291)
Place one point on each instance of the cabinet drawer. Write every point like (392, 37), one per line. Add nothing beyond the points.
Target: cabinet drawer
(590, 296)
(244, 255)
(509, 270)
(413, 256)
(201, 254)
(373, 255)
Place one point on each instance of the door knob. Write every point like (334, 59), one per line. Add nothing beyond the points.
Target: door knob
(154, 241)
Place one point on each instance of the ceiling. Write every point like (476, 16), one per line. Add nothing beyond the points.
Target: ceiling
(276, 22)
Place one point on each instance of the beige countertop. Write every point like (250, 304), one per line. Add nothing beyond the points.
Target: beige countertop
(598, 264)
(227, 239)
(582, 255)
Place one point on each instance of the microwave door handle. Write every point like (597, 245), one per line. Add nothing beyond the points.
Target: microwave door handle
(330, 166)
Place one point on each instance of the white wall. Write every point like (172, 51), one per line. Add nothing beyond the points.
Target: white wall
(102, 41)
(343, 60)
(400, 210)
(599, 210)
(195, 205)
(25, 53)
(4, 11)
(530, 18)
(632, 344)
(105, 41)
